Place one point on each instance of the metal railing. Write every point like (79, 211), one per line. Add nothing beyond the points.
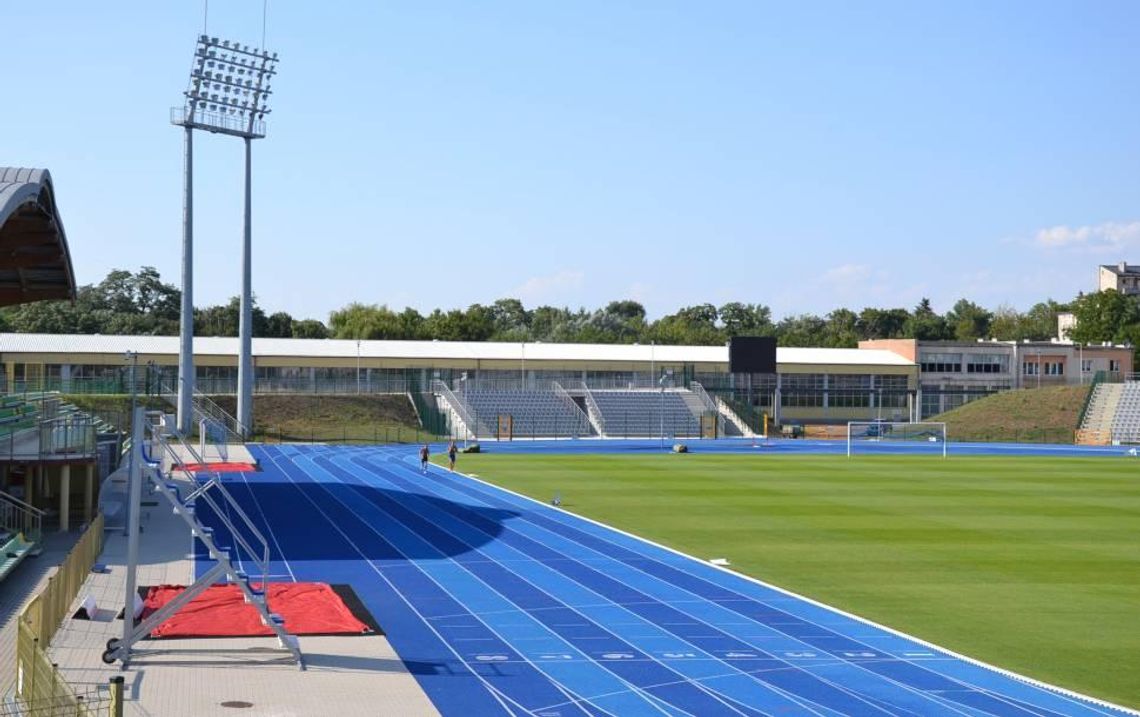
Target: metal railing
(459, 408)
(150, 436)
(709, 405)
(68, 435)
(183, 116)
(583, 420)
(204, 408)
(593, 412)
(16, 516)
(248, 536)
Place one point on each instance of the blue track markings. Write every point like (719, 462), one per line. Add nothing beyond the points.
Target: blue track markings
(501, 605)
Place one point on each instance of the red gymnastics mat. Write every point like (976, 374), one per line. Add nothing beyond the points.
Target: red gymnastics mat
(221, 611)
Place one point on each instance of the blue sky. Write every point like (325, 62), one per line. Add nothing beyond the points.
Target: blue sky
(800, 155)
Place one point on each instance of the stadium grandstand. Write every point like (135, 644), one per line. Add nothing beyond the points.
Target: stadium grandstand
(546, 389)
(42, 438)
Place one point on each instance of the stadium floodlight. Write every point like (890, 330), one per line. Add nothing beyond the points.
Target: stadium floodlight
(228, 94)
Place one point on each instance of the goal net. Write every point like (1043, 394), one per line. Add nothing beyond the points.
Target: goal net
(895, 437)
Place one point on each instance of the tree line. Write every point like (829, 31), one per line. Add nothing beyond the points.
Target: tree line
(141, 303)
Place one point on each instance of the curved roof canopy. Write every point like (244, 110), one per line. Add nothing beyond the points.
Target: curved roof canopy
(34, 261)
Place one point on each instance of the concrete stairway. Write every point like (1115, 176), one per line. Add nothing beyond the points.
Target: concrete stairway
(1102, 407)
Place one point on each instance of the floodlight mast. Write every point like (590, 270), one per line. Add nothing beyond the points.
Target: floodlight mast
(243, 77)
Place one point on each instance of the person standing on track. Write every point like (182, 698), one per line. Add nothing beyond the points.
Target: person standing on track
(424, 454)
(451, 451)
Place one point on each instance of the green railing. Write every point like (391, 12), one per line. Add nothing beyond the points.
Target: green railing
(1098, 378)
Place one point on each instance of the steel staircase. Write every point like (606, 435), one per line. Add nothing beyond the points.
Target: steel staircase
(160, 441)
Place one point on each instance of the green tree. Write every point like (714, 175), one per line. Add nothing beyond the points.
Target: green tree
(842, 330)
(310, 329)
(620, 322)
(364, 321)
(279, 325)
(969, 321)
(882, 323)
(803, 330)
(1105, 316)
(224, 319)
(746, 319)
(925, 325)
(692, 325)
(547, 322)
(1007, 324)
(1040, 322)
(511, 320)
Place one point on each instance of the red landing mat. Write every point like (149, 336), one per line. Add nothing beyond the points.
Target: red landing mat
(221, 467)
(220, 611)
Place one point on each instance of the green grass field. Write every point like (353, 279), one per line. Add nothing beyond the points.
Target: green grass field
(1032, 564)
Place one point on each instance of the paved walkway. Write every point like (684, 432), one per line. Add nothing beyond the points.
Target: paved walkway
(345, 676)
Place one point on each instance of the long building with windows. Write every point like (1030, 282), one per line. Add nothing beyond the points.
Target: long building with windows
(811, 385)
(895, 379)
(952, 373)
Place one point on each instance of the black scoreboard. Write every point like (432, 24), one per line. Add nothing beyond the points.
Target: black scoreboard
(752, 354)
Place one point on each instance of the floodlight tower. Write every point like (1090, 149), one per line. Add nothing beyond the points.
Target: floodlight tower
(228, 94)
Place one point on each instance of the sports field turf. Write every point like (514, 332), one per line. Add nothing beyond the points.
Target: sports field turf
(1032, 564)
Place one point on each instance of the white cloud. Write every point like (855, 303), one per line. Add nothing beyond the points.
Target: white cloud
(1109, 235)
(549, 287)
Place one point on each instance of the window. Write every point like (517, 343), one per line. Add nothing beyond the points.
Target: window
(848, 390)
(1054, 368)
(1086, 366)
(940, 363)
(986, 363)
(1030, 368)
(1114, 364)
(801, 390)
(891, 390)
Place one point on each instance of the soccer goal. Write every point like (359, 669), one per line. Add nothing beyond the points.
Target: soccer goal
(895, 437)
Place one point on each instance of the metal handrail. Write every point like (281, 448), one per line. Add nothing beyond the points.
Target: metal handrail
(459, 407)
(568, 400)
(219, 509)
(20, 516)
(733, 415)
(593, 412)
(203, 407)
(709, 405)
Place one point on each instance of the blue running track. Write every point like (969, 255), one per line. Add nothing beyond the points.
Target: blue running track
(500, 605)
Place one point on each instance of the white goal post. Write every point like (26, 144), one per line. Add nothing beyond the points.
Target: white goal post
(931, 436)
